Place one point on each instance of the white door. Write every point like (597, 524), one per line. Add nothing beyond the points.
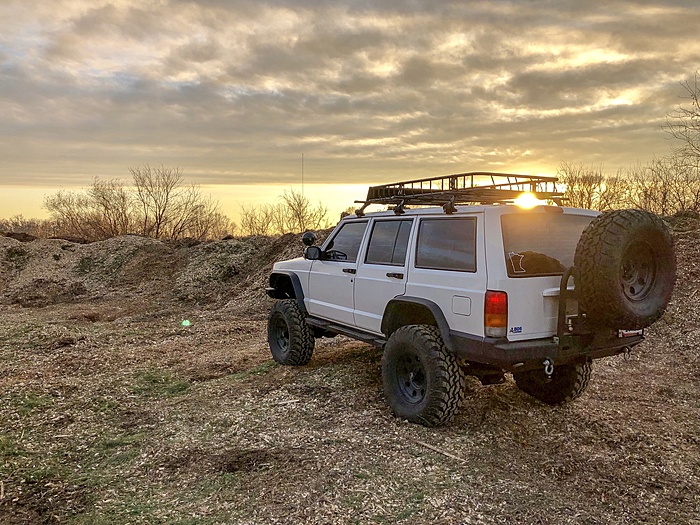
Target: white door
(332, 279)
(381, 273)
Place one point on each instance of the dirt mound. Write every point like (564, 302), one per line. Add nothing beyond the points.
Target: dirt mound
(683, 221)
(50, 271)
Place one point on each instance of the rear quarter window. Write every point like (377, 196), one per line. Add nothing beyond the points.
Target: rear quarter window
(447, 244)
(538, 244)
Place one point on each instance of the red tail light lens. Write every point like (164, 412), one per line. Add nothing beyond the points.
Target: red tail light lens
(495, 314)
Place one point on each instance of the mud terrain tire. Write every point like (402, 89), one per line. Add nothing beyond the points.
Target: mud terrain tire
(290, 338)
(566, 384)
(625, 269)
(422, 380)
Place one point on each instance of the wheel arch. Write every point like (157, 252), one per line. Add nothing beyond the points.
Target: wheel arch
(406, 310)
(286, 285)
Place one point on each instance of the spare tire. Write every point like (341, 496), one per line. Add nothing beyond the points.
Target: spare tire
(625, 269)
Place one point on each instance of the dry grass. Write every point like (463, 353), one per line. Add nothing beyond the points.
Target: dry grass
(114, 412)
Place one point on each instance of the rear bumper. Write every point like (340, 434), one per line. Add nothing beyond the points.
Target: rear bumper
(525, 355)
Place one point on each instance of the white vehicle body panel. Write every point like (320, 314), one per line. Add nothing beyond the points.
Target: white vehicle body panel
(459, 294)
(358, 299)
(330, 291)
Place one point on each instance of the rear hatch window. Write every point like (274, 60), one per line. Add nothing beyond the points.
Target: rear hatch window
(539, 244)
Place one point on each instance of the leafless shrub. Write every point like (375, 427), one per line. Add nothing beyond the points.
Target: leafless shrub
(74, 214)
(30, 226)
(684, 125)
(158, 205)
(590, 188)
(294, 214)
(258, 220)
(300, 214)
(665, 186)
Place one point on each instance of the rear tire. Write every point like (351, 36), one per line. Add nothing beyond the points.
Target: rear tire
(290, 338)
(625, 269)
(566, 384)
(422, 380)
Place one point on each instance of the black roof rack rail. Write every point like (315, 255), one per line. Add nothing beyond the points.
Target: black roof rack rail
(461, 188)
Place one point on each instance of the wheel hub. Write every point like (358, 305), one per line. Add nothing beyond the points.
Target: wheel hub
(638, 271)
(411, 378)
(281, 334)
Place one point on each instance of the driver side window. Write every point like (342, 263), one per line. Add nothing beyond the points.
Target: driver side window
(345, 245)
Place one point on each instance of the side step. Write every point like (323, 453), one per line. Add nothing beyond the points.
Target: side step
(354, 333)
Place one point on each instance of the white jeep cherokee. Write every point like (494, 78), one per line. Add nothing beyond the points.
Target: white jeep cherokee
(447, 290)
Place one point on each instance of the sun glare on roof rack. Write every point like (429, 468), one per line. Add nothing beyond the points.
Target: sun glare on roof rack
(528, 200)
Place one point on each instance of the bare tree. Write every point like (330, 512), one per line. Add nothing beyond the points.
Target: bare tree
(169, 209)
(157, 189)
(30, 226)
(590, 188)
(300, 214)
(158, 205)
(258, 220)
(294, 213)
(211, 224)
(665, 186)
(71, 211)
(111, 208)
(684, 124)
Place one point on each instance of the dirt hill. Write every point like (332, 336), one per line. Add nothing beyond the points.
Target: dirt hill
(50, 271)
(137, 387)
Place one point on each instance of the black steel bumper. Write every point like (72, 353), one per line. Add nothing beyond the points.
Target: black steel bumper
(524, 355)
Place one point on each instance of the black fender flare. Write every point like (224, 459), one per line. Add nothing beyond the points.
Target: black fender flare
(389, 322)
(275, 293)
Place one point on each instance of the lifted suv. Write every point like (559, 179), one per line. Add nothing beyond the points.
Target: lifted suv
(484, 289)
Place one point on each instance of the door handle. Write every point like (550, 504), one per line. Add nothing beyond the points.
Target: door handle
(349, 270)
(395, 275)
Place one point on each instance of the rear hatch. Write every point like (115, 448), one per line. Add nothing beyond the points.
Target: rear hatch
(538, 247)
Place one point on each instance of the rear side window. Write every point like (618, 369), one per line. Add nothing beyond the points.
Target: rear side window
(346, 243)
(541, 243)
(389, 242)
(447, 244)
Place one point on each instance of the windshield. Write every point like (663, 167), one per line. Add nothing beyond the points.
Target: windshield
(541, 243)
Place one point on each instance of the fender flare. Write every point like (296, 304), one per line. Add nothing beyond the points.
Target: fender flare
(435, 311)
(273, 292)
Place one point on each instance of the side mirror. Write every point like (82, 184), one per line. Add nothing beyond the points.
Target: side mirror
(309, 238)
(312, 253)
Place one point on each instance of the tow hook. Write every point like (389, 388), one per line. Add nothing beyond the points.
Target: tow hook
(548, 368)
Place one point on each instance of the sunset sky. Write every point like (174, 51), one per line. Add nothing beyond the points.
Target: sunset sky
(234, 92)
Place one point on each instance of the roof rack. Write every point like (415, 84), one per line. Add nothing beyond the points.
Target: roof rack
(449, 190)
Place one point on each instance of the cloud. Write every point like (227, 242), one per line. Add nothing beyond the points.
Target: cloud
(235, 90)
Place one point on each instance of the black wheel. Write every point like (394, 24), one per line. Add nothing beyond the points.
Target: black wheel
(290, 338)
(566, 384)
(422, 380)
(625, 269)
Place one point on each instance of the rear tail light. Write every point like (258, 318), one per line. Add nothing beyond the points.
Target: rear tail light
(495, 314)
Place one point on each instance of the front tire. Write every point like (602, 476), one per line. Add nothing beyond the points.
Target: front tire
(566, 384)
(290, 338)
(422, 380)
